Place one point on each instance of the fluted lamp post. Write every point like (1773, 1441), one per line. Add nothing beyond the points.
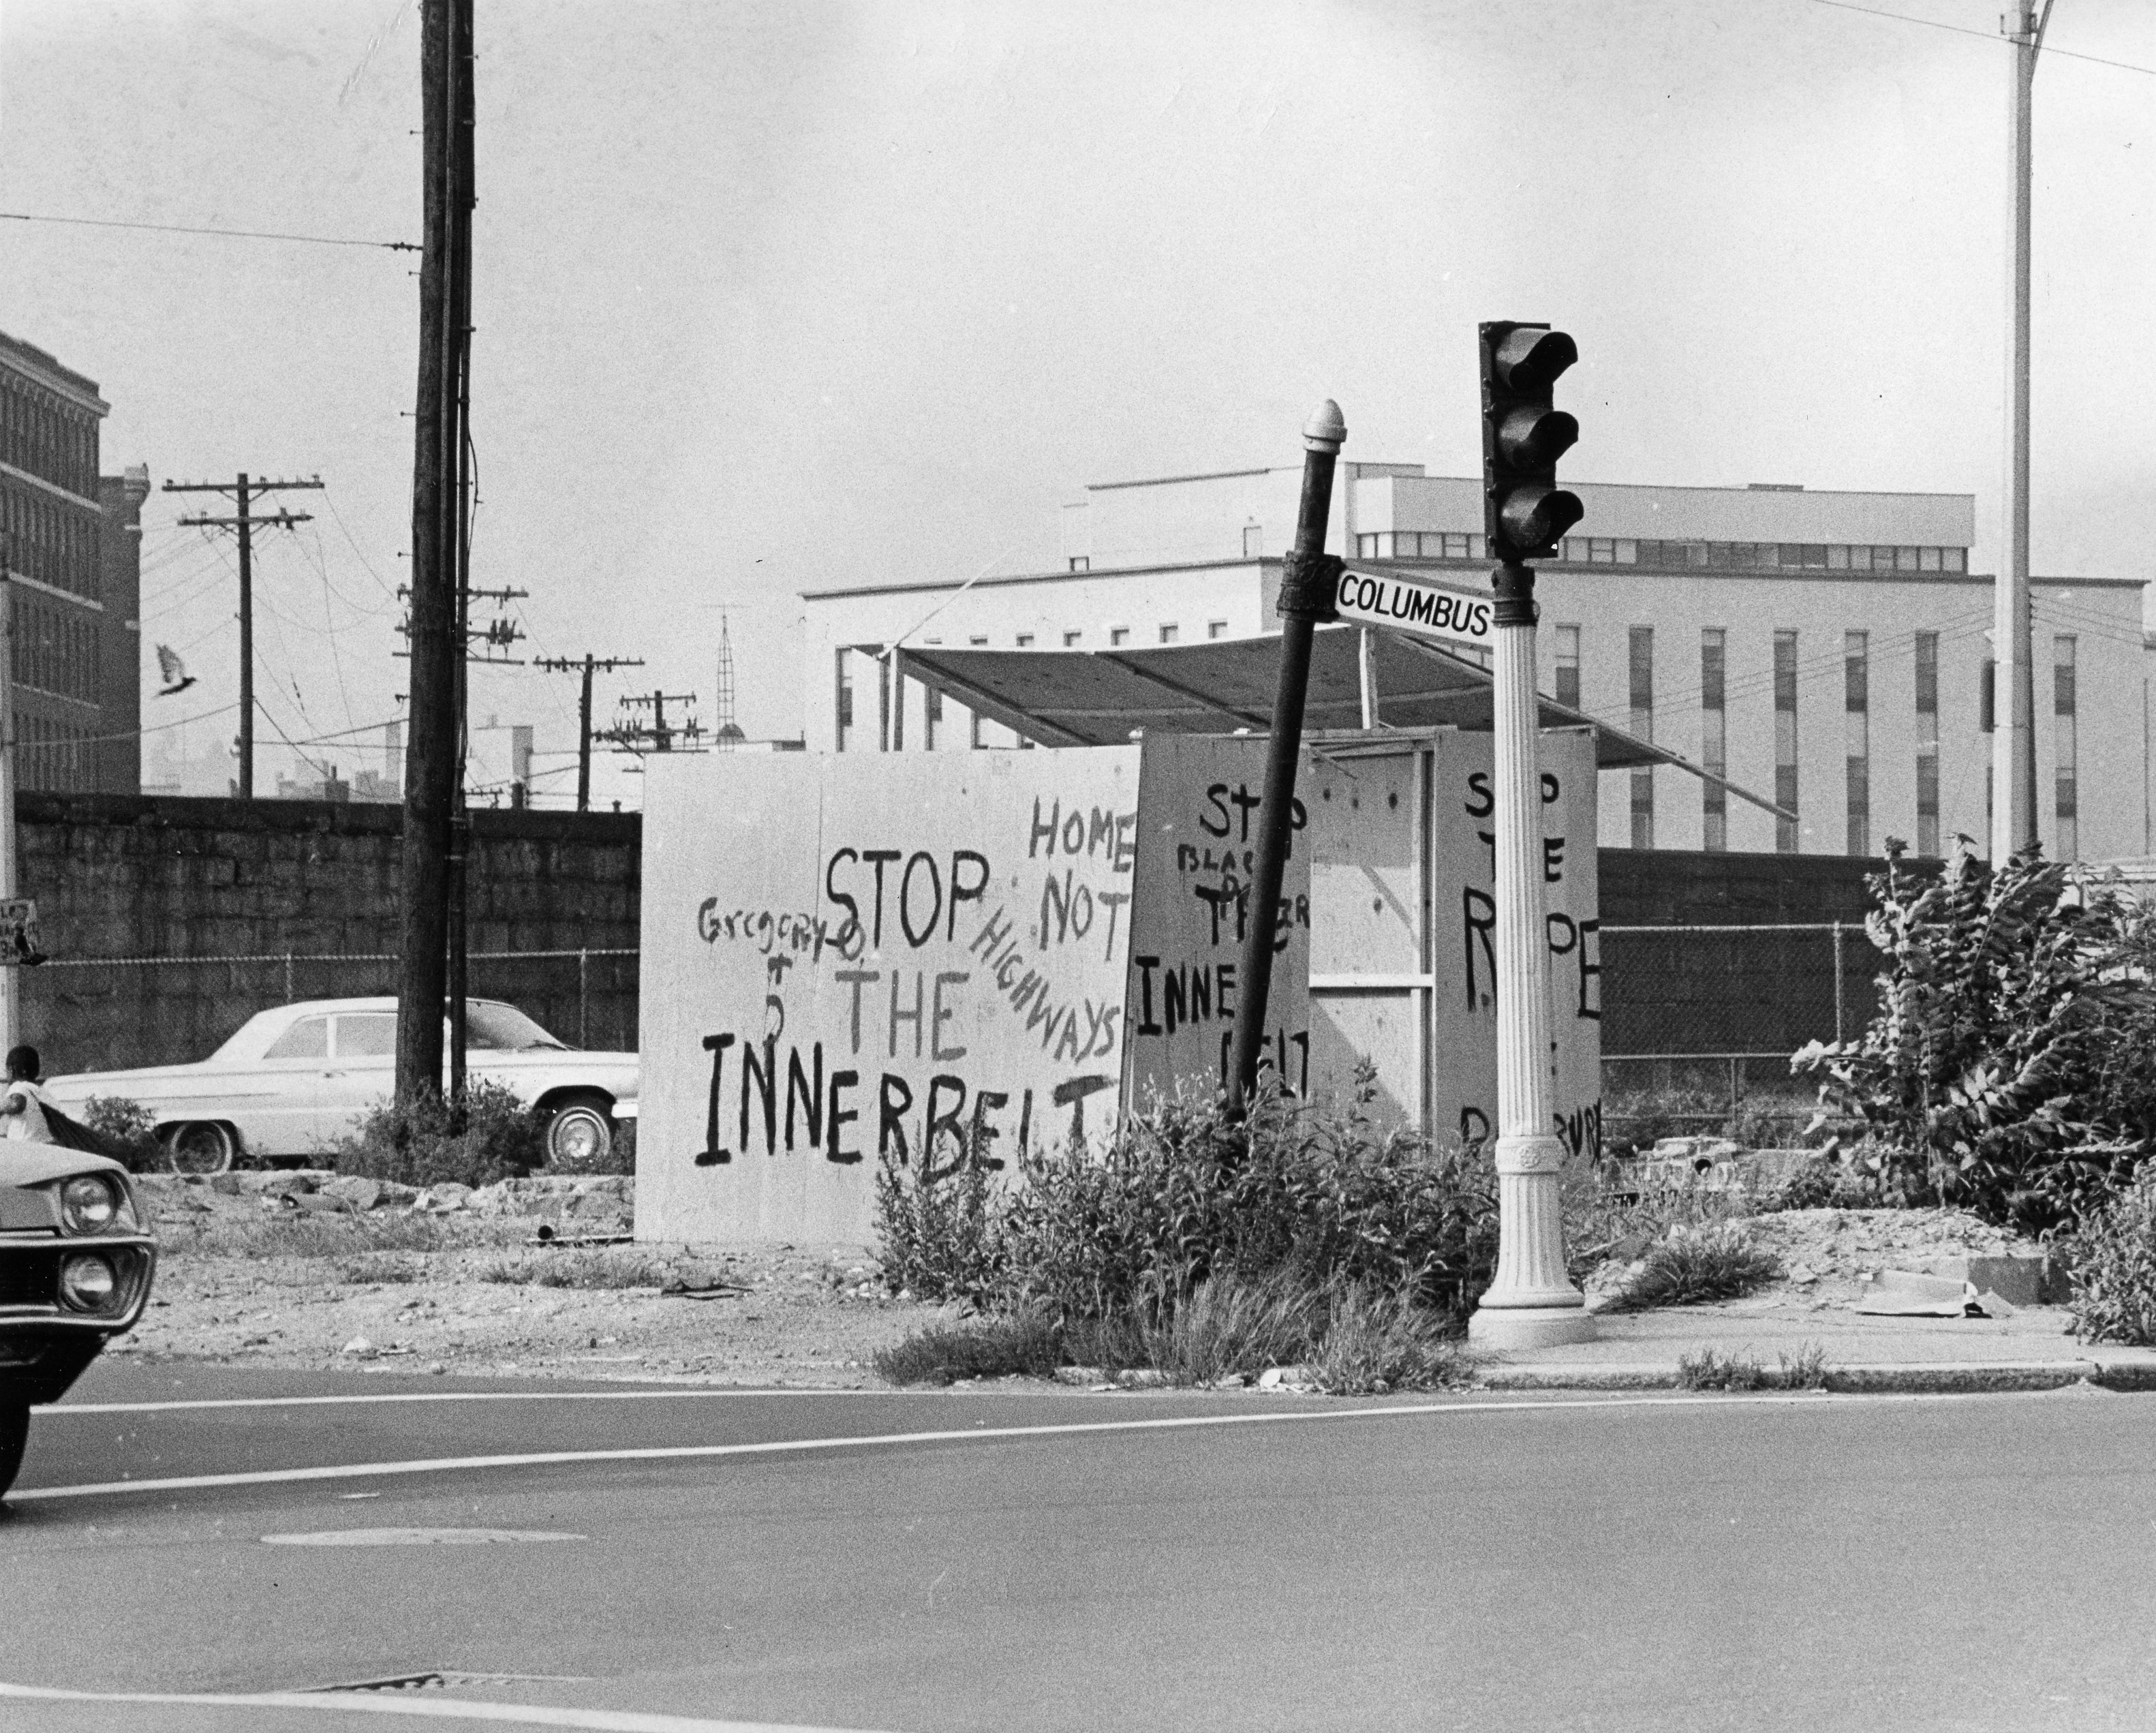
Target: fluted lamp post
(1532, 1302)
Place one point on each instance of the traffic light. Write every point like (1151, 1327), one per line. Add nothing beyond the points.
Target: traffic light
(1525, 513)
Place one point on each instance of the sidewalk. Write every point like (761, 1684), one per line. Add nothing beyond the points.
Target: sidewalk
(2029, 1351)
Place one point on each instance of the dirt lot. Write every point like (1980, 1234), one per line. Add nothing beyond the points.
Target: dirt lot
(248, 1280)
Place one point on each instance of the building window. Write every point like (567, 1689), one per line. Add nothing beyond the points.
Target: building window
(1953, 560)
(978, 643)
(1785, 740)
(1216, 628)
(1856, 736)
(1254, 541)
(1025, 641)
(1568, 665)
(2065, 796)
(1642, 659)
(1081, 563)
(1169, 633)
(1714, 738)
(1070, 639)
(845, 699)
(1119, 634)
(1927, 745)
(1987, 696)
(931, 714)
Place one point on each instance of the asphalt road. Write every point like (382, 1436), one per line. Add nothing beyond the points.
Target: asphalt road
(937, 1562)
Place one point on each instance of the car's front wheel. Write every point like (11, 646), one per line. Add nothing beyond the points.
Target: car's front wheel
(579, 1133)
(15, 1434)
(201, 1146)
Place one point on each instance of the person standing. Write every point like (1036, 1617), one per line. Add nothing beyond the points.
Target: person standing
(24, 1103)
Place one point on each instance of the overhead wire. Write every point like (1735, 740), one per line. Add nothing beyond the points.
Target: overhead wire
(317, 240)
(1903, 18)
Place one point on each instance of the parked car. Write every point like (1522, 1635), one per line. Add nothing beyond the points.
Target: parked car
(297, 1077)
(75, 1263)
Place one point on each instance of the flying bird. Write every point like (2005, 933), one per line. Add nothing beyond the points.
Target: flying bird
(174, 671)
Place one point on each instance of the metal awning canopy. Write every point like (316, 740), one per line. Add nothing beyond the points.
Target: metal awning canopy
(1101, 697)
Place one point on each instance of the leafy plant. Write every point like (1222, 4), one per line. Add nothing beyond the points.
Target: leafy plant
(489, 1135)
(2112, 1262)
(2006, 1071)
(128, 1127)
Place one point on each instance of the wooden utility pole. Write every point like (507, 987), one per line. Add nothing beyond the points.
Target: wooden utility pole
(434, 755)
(658, 733)
(244, 490)
(566, 665)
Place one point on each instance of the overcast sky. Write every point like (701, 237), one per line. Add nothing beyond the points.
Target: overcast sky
(776, 296)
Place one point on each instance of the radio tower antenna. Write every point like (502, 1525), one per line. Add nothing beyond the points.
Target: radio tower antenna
(728, 734)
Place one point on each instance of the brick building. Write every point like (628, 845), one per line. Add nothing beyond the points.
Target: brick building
(71, 542)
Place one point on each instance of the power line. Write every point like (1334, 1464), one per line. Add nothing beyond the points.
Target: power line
(312, 240)
(1903, 18)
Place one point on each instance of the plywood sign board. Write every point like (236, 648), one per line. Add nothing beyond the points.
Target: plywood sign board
(850, 955)
(1403, 946)
(1200, 806)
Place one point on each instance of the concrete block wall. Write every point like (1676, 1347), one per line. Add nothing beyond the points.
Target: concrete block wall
(118, 876)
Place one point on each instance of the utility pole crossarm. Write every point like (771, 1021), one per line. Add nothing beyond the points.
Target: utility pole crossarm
(243, 489)
(586, 667)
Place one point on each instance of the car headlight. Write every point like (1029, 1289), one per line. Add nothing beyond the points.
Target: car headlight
(90, 1203)
(88, 1282)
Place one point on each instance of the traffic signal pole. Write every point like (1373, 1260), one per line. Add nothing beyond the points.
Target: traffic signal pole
(1530, 1302)
(1305, 599)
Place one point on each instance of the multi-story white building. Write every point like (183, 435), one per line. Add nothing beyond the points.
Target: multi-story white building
(1830, 650)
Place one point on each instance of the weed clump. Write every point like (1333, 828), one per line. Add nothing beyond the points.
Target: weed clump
(490, 1135)
(1695, 1268)
(1710, 1369)
(1027, 1342)
(1205, 1247)
(2113, 1264)
(601, 1267)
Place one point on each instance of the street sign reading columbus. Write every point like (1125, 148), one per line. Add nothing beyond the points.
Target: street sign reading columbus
(1429, 609)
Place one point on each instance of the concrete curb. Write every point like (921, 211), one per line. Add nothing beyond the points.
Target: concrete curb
(1949, 1378)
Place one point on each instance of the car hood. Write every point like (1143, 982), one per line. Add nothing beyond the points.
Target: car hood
(28, 1164)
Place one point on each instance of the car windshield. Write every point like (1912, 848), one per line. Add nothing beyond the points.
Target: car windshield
(504, 1028)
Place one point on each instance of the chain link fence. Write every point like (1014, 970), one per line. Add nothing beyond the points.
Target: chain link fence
(115, 1013)
(1698, 1023)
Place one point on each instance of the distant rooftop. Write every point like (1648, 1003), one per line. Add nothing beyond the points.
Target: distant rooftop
(33, 359)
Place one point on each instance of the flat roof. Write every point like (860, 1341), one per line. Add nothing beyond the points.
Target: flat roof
(1678, 512)
(1807, 575)
(1102, 697)
(29, 359)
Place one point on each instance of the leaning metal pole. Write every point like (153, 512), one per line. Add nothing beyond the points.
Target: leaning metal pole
(1305, 599)
(1531, 1303)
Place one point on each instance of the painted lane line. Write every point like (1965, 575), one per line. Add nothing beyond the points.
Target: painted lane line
(418, 1537)
(597, 1720)
(60, 1411)
(779, 1446)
